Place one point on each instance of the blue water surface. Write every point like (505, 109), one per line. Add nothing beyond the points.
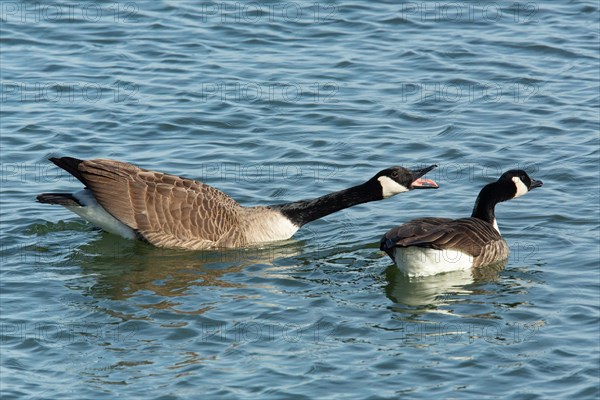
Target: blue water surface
(281, 101)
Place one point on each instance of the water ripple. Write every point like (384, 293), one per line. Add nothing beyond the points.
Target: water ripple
(282, 103)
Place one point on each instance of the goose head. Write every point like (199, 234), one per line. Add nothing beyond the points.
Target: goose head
(519, 182)
(394, 180)
(512, 184)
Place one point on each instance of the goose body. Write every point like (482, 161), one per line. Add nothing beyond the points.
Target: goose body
(428, 246)
(174, 212)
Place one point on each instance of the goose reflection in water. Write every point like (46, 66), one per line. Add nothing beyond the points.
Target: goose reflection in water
(123, 269)
(431, 292)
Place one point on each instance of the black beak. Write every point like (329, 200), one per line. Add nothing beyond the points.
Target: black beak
(421, 183)
(535, 183)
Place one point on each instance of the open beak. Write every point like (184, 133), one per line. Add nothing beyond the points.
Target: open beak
(535, 183)
(422, 183)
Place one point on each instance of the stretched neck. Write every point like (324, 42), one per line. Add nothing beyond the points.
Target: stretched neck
(305, 211)
(489, 196)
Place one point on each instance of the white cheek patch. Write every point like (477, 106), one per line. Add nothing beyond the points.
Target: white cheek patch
(390, 187)
(521, 187)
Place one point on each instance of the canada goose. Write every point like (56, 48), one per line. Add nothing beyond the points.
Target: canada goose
(427, 246)
(175, 212)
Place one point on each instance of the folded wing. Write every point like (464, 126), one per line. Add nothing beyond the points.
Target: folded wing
(469, 235)
(166, 210)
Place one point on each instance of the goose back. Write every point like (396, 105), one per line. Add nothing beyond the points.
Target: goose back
(166, 210)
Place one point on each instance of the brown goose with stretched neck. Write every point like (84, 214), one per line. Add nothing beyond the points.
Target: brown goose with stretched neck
(174, 212)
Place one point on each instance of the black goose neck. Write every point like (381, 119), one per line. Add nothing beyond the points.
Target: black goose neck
(487, 199)
(305, 211)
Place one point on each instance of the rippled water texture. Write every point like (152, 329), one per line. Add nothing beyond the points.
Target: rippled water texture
(276, 101)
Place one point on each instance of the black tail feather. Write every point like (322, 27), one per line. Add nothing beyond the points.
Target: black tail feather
(71, 165)
(63, 199)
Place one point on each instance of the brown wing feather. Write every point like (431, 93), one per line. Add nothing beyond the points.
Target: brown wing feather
(443, 233)
(415, 227)
(166, 210)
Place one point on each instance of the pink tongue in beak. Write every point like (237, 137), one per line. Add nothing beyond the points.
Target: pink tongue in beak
(423, 183)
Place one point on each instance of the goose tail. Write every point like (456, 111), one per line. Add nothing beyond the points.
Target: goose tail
(62, 199)
(71, 165)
